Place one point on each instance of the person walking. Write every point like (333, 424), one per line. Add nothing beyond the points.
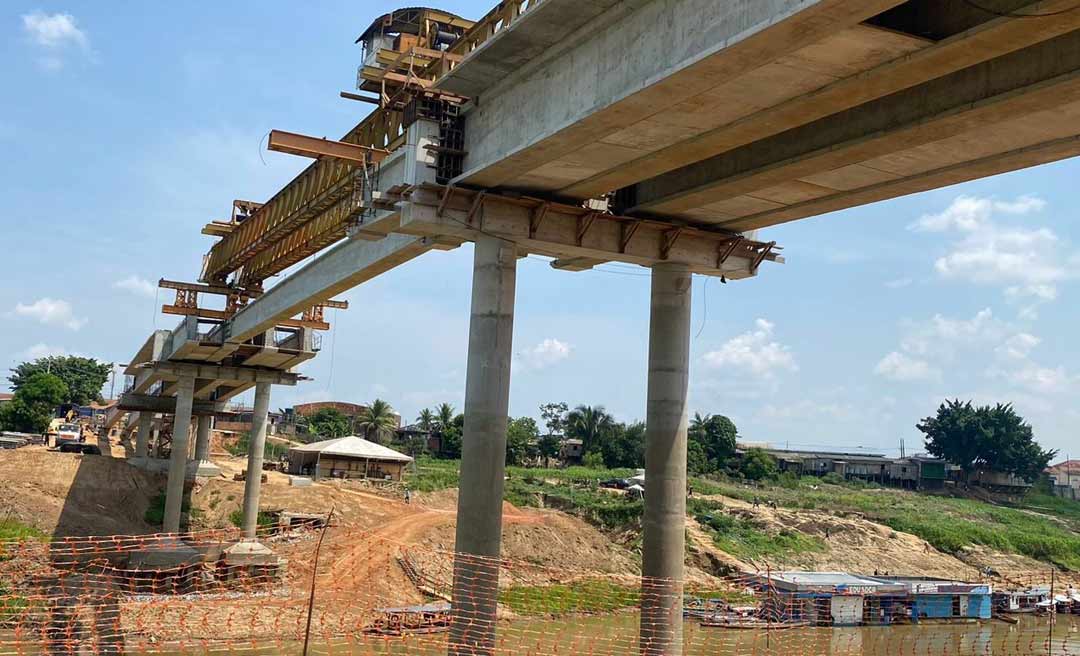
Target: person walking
(408, 495)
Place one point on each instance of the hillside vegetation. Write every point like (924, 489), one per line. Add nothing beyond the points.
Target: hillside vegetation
(1042, 527)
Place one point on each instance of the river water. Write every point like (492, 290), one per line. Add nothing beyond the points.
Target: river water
(615, 635)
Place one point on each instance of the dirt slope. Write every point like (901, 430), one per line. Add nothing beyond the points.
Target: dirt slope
(66, 494)
(853, 544)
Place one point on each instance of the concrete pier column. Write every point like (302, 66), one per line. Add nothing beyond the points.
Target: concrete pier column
(200, 465)
(483, 448)
(665, 461)
(142, 436)
(256, 446)
(202, 438)
(174, 492)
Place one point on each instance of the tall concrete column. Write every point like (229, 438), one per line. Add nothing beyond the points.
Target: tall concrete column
(202, 438)
(174, 492)
(665, 461)
(483, 448)
(256, 446)
(142, 437)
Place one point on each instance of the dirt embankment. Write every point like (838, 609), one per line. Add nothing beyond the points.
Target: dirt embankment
(65, 494)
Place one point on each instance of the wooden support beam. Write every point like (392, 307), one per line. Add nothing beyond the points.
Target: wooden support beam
(355, 96)
(219, 315)
(172, 370)
(305, 146)
(561, 235)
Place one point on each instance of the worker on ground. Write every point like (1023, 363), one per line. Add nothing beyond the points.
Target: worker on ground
(408, 495)
(690, 490)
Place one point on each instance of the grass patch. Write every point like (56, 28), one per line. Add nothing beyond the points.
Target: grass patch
(14, 530)
(601, 508)
(747, 540)
(155, 512)
(585, 596)
(262, 520)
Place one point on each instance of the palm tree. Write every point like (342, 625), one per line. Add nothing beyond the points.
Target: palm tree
(426, 420)
(445, 416)
(699, 423)
(377, 421)
(588, 424)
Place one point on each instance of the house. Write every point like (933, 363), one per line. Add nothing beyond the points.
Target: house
(571, 451)
(916, 472)
(412, 433)
(1065, 474)
(347, 457)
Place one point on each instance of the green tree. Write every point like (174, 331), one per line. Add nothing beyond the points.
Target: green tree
(548, 447)
(328, 423)
(449, 429)
(624, 446)
(452, 436)
(426, 420)
(590, 424)
(757, 464)
(377, 422)
(34, 403)
(82, 377)
(521, 434)
(444, 415)
(716, 436)
(554, 416)
(984, 438)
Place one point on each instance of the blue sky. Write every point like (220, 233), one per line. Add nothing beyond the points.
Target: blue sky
(127, 126)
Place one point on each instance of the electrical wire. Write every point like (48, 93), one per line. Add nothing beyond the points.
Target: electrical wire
(259, 149)
(704, 307)
(1012, 14)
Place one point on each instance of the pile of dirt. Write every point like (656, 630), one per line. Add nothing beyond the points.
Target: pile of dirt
(66, 494)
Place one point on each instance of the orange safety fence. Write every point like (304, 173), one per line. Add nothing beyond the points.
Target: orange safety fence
(209, 592)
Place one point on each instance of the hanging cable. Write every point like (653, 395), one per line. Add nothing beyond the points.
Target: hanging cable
(704, 307)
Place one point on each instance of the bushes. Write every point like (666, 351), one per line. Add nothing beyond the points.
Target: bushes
(262, 520)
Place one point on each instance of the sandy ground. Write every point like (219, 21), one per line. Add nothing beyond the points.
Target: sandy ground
(66, 494)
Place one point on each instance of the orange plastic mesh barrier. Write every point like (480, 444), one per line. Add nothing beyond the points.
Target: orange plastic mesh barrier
(209, 592)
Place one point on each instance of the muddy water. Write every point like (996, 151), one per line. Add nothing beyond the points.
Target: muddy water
(615, 635)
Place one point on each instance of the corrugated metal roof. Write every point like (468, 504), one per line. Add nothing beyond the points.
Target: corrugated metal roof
(355, 447)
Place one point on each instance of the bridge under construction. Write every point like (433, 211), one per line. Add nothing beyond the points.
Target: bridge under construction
(669, 134)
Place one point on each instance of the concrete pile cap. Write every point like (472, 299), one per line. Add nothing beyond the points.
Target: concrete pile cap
(166, 554)
(250, 552)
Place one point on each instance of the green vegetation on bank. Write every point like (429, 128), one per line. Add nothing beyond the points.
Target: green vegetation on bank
(1043, 527)
(584, 596)
(745, 539)
(1039, 528)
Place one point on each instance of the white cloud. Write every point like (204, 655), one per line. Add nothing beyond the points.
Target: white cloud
(1018, 346)
(899, 283)
(941, 335)
(1027, 262)
(754, 352)
(548, 352)
(968, 213)
(902, 367)
(51, 312)
(55, 35)
(137, 285)
(42, 350)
